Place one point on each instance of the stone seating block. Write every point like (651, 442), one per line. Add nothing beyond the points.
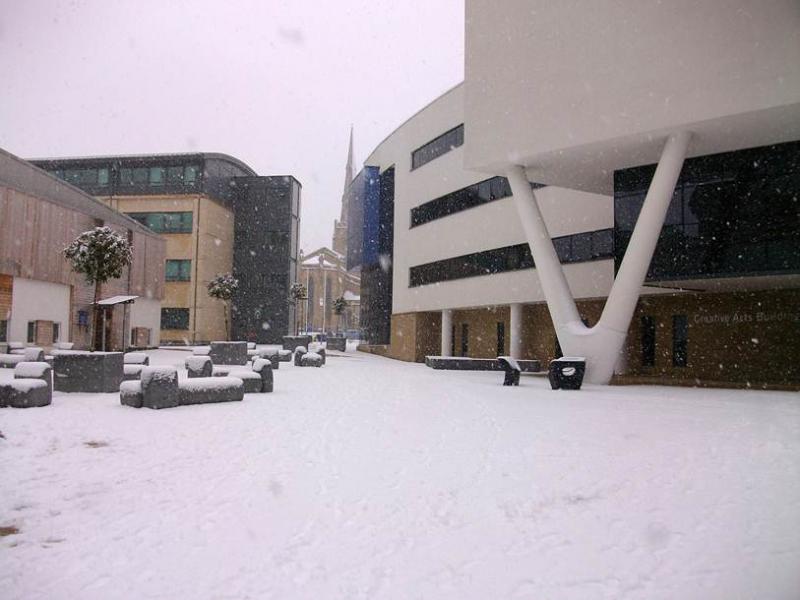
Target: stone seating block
(35, 370)
(263, 368)
(132, 372)
(291, 342)
(203, 390)
(9, 361)
(88, 371)
(136, 358)
(311, 359)
(337, 343)
(250, 379)
(130, 393)
(298, 355)
(285, 355)
(25, 393)
(199, 366)
(228, 353)
(159, 387)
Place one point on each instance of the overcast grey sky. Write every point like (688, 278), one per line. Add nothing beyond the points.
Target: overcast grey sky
(274, 83)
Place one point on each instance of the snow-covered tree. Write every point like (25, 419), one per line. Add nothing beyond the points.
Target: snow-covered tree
(99, 254)
(339, 308)
(223, 287)
(297, 292)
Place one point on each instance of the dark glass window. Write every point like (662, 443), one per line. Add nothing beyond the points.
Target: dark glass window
(463, 199)
(437, 147)
(680, 340)
(464, 339)
(175, 318)
(56, 332)
(174, 175)
(178, 270)
(3, 330)
(126, 176)
(579, 247)
(156, 175)
(167, 222)
(102, 177)
(648, 327)
(732, 214)
(31, 332)
(501, 338)
(190, 174)
(141, 175)
(453, 340)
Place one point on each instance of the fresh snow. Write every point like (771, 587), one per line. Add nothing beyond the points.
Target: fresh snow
(31, 369)
(376, 479)
(25, 385)
(199, 384)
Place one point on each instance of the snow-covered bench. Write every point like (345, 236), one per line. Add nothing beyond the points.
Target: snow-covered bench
(18, 355)
(511, 368)
(199, 366)
(257, 378)
(32, 386)
(159, 387)
(133, 362)
(312, 359)
(228, 353)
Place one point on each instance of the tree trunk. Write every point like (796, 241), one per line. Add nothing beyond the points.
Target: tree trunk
(93, 322)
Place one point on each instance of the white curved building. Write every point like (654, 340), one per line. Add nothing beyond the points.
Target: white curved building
(574, 125)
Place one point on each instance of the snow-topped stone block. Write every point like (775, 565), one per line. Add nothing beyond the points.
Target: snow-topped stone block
(132, 372)
(323, 354)
(136, 358)
(87, 371)
(250, 379)
(9, 361)
(263, 367)
(251, 345)
(130, 393)
(160, 387)
(202, 390)
(199, 366)
(311, 359)
(228, 353)
(336, 343)
(35, 370)
(33, 354)
(25, 393)
(298, 355)
(291, 342)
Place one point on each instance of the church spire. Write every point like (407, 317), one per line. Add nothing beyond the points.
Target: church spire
(348, 170)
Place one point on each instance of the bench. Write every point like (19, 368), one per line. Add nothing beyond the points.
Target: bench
(32, 386)
(159, 387)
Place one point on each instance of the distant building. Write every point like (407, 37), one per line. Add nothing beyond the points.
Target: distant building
(325, 272)
(218, 216)
(42, 301)
(326, 279)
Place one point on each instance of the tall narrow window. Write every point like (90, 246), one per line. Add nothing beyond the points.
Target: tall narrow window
(3, 331)
(680, 340)
(501, 338)
(31, 332)
(648, 326)
(453, 340)
(56, 332)
(464, 339)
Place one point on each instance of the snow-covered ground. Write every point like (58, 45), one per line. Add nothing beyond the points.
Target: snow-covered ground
(371, 478)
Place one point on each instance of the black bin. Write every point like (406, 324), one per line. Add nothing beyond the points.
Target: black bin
(566, 373)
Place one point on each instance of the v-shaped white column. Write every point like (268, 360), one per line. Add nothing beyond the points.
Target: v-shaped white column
(601, 344)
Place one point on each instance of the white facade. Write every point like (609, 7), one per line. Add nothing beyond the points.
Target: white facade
(33, 300)
(146, 312)
(492, 225)
(574, 90)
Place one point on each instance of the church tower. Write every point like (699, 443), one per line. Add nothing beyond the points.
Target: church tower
(340, 226)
